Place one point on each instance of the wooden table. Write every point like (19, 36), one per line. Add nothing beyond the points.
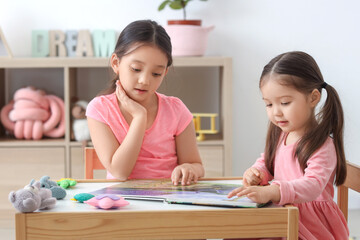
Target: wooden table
(153, 220)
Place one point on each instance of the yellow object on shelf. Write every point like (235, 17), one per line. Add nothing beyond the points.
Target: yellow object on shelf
(197, 122)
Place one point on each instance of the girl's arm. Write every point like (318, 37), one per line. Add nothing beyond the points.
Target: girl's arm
(118, 159)
(318, 175)
(190, 167)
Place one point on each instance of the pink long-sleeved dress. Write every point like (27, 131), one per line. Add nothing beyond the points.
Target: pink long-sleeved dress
(311, 191)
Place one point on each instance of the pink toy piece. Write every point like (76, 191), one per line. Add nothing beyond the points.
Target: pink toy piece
(112, 196)
(107, 201)
(33, 114)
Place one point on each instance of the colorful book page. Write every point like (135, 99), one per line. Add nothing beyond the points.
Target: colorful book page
(209, 193)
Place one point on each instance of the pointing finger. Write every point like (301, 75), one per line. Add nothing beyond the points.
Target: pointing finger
(234, 192)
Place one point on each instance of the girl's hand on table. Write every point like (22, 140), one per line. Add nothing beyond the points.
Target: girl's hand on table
(258, 194)
(252, 177)
(184, 172)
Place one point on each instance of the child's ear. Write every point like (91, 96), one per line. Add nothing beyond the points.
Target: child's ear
(315, 97)
(114, 61)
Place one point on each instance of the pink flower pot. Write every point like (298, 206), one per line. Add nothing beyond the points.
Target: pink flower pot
(188, 40)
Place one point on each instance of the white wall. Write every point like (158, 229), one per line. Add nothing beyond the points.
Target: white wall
(250, 31)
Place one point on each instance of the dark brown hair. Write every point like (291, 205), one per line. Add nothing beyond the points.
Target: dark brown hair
(305, 76)
(142, 32)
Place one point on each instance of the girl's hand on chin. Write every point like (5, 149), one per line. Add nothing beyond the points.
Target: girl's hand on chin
(131, 106)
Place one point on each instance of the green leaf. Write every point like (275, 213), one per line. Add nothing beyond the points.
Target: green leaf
(176, 5)
(163, 5)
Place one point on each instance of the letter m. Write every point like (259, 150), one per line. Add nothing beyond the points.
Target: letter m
(104, 42)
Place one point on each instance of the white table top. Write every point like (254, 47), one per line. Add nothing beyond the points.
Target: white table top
(67, 205)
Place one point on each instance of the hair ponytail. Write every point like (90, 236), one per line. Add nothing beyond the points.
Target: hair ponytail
(331, 117)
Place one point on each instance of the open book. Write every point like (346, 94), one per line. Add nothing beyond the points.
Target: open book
(210, 193)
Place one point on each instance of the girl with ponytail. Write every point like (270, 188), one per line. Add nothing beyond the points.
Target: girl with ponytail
(304, 153)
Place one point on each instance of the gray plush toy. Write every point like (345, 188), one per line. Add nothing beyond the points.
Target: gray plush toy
(47, 201)
(31, 198)
(57, 192)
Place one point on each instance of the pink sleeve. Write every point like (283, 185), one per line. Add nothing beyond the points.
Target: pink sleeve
(96, 111)
(183, 114)
(320, 168)
(260, 165)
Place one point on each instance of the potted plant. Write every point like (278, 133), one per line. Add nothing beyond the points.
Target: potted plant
(188, 37)
(178, 5)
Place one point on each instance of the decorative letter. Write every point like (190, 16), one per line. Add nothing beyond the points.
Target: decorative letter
(84, 44)
(57, 47)
(70, 43)
(40, 43)
(104, 42)
(4, 47)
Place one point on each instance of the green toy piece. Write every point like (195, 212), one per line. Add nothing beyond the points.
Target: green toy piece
(81, 197)
(66, 182)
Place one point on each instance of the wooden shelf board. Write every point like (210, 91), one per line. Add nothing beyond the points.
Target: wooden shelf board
(205, 61)
(11, 142)
(210, 142)
(78, 62)
(53, 62)
(74, 143)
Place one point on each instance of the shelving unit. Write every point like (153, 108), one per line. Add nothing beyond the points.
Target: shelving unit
(70, 76)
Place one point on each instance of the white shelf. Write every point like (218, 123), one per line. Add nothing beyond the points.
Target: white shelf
(216, 151)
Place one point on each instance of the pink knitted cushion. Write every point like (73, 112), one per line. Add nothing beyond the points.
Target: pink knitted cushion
(33, 114)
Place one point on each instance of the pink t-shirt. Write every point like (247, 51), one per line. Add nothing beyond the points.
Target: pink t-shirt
(312, 192)
(157, 157)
